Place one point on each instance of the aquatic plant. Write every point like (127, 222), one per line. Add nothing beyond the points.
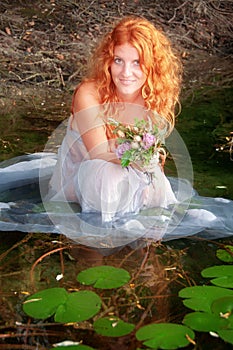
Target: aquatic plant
(212, 306)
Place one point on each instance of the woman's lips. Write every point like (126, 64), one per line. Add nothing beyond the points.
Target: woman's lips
(126, 82)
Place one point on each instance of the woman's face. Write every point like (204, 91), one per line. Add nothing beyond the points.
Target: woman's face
(127, 74)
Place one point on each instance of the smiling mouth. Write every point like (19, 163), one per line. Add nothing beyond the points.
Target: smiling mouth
(126, 82)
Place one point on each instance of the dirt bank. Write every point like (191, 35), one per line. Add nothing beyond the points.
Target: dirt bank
(45, 47)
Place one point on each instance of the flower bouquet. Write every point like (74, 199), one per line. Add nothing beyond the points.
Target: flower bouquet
(139, 143)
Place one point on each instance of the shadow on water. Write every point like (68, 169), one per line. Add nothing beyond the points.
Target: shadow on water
(30, 262)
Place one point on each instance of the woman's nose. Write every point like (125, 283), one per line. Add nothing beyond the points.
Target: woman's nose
(127, 70)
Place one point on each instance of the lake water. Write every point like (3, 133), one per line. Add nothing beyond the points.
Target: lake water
(30, 262)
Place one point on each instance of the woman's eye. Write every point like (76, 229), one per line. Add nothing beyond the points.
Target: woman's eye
(137, 63)
(118, 60)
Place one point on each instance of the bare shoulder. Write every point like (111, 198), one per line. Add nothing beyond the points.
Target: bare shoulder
(85, 96)
(86, 104)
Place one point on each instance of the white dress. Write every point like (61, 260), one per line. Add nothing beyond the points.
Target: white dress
(105, 187)
(101, 204)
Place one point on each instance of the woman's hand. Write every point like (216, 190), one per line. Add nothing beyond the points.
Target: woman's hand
(162, 159)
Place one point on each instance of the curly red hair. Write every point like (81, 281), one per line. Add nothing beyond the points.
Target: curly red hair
(157, 59)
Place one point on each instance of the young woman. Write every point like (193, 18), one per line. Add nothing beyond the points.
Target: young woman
(133, 73)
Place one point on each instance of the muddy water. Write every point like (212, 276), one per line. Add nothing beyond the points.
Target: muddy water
(30, 262)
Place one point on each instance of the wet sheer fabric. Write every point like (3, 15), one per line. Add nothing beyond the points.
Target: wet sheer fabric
(101, 204)
(105, 187)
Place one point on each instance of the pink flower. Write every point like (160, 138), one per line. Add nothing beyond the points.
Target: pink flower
(148, 140)
(122, 148)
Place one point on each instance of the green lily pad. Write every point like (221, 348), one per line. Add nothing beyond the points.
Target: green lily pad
(165, 335)
(225, 255)
(44, 304)
(226, 335)
(200, 298)
(205, 322)
(222, 305)
(230, 319)
(79, 306)
(112, 327)
(224, 274)
(104, 277)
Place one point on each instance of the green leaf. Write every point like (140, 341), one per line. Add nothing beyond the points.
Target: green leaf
(200, 298)
(226, 335)
(230, 319)
(218, 270)
(140, 123)
(44, 304)
(225, 255)
(224, 274)
(222, 305)
(205, 322)
(104, 277)
(112, 327)
(165, 335)
(126, 158)
(79, 306)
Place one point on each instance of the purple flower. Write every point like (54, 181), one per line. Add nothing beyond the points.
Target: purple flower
(148, 140)
(122, 148)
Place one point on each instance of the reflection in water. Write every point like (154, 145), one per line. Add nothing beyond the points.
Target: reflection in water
(31, 262)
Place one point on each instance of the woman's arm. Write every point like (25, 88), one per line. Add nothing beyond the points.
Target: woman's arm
(86, 108)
